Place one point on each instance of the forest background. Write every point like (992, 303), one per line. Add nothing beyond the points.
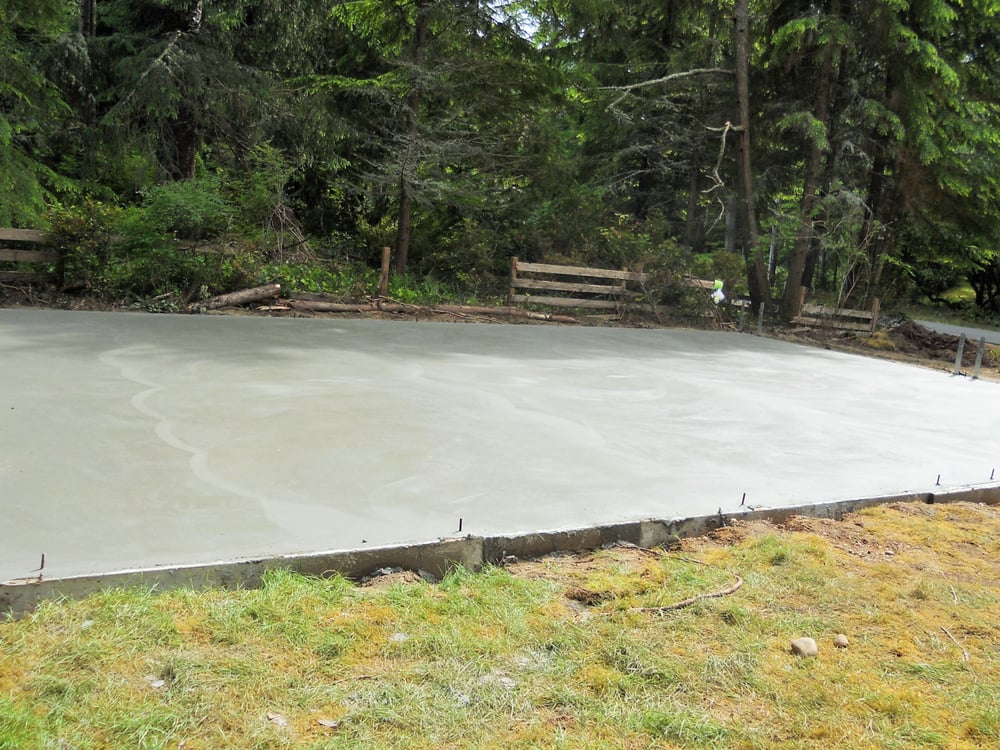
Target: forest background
(850, 148)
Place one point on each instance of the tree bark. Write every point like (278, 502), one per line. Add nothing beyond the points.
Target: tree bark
(186, 141)
(760, 292)
(404, 223)
(88, 18)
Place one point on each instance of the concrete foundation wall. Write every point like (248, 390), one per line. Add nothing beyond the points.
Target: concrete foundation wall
(21, 596)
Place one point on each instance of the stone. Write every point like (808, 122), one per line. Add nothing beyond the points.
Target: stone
(840, 641)
(804, 647)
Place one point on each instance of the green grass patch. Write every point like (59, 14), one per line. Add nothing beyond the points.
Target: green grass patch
(513, 658)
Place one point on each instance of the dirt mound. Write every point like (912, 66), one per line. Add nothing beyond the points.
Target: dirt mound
(913, 338)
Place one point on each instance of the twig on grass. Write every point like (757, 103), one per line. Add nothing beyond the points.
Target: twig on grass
(965, 654)
(688, 602)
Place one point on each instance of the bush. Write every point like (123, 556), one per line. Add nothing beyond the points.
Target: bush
(189, 210)
(83, 236)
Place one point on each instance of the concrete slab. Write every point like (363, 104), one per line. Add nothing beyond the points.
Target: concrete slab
(130, 441)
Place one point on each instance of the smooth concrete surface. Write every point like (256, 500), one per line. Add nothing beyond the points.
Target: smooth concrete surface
(131, 441)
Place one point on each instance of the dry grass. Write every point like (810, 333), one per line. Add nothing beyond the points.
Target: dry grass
(553, 653)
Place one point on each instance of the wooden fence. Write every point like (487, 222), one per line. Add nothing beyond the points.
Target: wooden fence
(27, 246)
(573, 286)
(841, 318)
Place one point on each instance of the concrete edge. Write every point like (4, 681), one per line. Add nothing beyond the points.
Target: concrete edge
(21, 596)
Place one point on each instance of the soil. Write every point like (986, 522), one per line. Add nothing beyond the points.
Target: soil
(864, 540)
(901, 341)
(906, 342)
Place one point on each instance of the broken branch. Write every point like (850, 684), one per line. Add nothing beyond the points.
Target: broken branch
(688, 602)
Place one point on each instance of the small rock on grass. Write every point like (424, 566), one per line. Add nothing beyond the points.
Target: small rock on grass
(840, 641)
(804, 647)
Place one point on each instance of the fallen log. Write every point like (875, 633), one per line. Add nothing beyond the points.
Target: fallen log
(381, 305)
(242, 297)
(323, 306)
(510, 312)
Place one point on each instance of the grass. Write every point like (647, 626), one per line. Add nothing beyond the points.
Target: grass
(503, 658)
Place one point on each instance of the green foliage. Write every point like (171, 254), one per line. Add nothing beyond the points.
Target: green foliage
(350, 282)
(725, 266)
(31, 111)
(83, 234)
(575, 130)
(468, 256)
(419, 290)
(806, 123)
(187, 210)
(136, 251)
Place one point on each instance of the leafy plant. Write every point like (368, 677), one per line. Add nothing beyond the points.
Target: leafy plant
(189, 209)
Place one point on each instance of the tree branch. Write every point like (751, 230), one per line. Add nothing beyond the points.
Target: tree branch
(669, 78)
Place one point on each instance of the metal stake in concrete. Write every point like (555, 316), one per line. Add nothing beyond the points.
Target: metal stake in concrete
(979, 357)
(760, 320)
(958, 357)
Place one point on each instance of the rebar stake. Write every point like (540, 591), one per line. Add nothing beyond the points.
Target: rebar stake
(979, 357)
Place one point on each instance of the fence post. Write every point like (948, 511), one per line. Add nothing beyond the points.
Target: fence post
(958, 357)
(383, 284)
(979, 357)
(760, 320)
(513, 277)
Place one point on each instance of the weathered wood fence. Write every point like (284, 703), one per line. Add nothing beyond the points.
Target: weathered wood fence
(20, 247)
(573, 286)
(841, 318)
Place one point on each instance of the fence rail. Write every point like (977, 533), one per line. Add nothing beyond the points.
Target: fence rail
(595, 288)
(27, 246)
(842, 318)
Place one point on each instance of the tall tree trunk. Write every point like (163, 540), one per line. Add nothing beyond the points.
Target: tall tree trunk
(88, 18)
(791, 302)
(760, 292)
(404, 222)
(186, 141)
